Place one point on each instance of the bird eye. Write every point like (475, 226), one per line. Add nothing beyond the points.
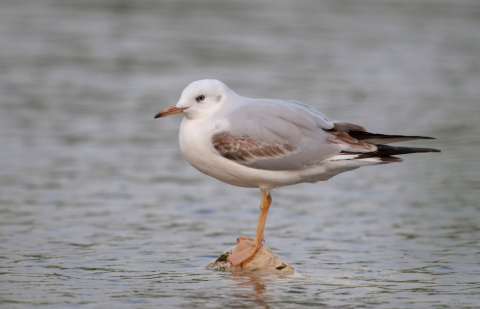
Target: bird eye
(200, 98)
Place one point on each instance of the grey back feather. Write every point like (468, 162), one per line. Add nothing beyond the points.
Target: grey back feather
(295, 124)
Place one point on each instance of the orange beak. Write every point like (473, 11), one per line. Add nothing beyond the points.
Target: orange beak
(170, 111)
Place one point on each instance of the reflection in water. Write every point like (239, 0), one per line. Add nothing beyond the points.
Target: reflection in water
(253, 285)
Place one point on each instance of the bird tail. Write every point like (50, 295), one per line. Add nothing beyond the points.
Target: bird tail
(383, 154)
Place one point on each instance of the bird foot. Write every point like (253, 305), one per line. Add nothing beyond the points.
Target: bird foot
(240, 238)
(244, 250)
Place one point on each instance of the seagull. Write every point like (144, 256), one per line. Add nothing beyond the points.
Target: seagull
(266, 144)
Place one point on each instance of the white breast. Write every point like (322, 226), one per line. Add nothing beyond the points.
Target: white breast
(196, 146)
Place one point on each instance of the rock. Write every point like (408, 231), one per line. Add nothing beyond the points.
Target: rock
(263, 261)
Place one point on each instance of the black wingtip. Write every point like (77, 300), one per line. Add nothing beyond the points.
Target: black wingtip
(425, 150)
(386, 151)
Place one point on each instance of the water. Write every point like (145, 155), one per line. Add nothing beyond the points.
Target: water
(98, 208)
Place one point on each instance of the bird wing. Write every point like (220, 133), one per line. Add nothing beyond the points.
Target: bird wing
(289, 135)
(277, 135)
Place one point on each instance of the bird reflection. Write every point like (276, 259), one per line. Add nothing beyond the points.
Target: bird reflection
(253, 285)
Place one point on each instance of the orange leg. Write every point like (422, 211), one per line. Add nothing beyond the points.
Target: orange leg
(245, 249)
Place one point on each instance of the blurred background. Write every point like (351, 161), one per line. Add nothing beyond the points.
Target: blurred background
(98, 207)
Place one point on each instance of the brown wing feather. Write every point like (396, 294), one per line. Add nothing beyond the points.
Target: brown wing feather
(245, 149)
(354, 145)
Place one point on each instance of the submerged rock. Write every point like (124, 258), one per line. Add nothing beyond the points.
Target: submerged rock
(264, 260)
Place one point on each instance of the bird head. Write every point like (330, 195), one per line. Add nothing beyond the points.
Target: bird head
(200, 99)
